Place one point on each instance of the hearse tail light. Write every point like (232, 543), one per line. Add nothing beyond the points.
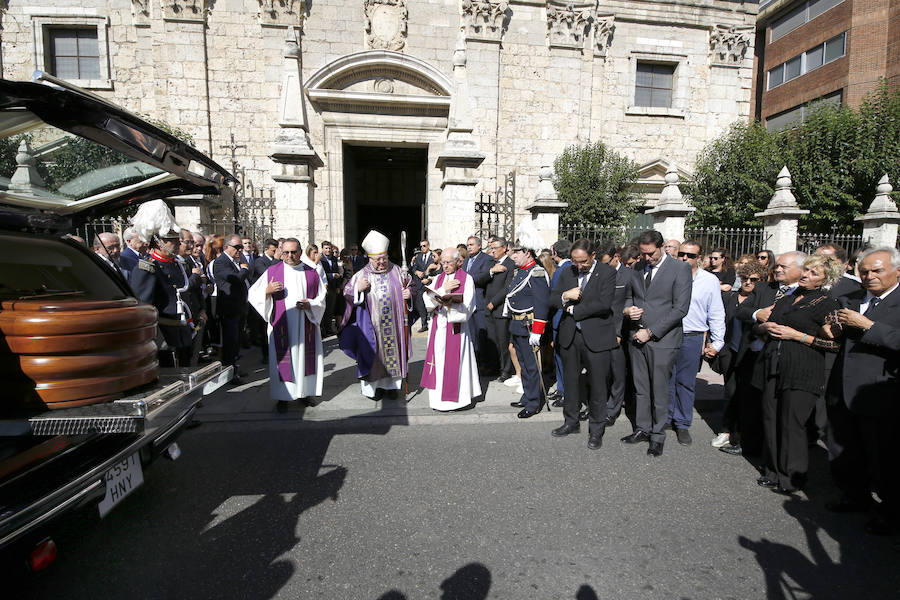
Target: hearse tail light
(42, 556)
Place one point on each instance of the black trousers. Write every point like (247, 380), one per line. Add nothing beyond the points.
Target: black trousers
(652, 368)
(742, 417)
(231, 338)
(785, 450)
(531, 376)
(618, 377)
(497, 356)
(863, 455)
(575, 357)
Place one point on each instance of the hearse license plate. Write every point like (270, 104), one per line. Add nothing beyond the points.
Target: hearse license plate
(122, 479)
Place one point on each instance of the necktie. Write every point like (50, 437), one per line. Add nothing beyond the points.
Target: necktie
(782, 290)
(648, 277)
(584, 280)
(872, 304)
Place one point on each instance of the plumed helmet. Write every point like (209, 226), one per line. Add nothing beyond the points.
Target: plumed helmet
(527, 237)
(154, 218)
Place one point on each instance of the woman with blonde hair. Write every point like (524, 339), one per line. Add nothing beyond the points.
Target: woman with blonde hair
(793, 360)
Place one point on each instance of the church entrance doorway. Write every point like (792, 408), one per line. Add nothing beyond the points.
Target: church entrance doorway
(385, 189)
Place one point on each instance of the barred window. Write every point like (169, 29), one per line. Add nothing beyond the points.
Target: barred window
(73, 53)
(653, 86)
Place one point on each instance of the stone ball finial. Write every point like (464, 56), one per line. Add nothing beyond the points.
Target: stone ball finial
(545, 173)
(671, 174)
(23, 154)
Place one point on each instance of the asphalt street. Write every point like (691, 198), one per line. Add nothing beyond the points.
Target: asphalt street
(361, 500)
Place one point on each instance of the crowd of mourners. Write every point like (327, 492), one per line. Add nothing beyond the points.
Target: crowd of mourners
(808, 345)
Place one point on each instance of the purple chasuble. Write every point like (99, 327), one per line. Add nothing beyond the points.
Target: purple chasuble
(452, 345)
(281, 336)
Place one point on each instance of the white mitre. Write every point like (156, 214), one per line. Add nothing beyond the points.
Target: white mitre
(154, 218)
(375, 243)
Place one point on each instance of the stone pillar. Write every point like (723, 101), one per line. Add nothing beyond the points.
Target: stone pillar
(546, 208)
(190, 212)
(294, 157)
(458, 160)
(781, 216)
(671, 210)
(880, 221)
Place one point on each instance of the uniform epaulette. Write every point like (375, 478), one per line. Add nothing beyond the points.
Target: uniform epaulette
(146, 265)
(538, 272)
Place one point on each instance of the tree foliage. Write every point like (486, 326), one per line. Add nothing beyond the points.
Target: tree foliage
(597, 184)
(836, 157)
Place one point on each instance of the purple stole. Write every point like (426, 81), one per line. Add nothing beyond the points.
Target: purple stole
(280, 334)
(453, 343)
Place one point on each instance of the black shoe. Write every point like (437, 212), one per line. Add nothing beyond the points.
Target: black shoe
(527, 414)
(565, 430)
(655, 449)
(734, 450)
(557, 403)
(766, 483)
(844, 506)
(422, 329)
(595, 441)
(517, 404)
(636, 437)
(783, 491)
(554, 396)
(683, 436)
(583, 415)
(610, 421)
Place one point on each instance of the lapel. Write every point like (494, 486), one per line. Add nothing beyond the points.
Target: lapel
(888, 304)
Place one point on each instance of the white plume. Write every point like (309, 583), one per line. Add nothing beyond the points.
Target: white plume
(154, 218)
(528, 237)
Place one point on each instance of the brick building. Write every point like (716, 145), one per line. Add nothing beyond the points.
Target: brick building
(830, 50)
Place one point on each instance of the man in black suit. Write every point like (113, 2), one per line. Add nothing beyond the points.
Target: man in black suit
(476, 265)
(656, 308)
(420, 263)
(864, 394)
(495, 281)
(134, 251)
(848, 283)
(257, 325)
(231, 275)
(618, 370)
(584, 294)
(248, 256)
(330, 265)
(356, 259)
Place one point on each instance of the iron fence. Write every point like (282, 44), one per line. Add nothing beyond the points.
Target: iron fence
(496, 211)
(737, 240)
(619, 235)
(90, 229)
(852, 242)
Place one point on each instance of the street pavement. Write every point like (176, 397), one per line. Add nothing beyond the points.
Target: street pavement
(354, 499)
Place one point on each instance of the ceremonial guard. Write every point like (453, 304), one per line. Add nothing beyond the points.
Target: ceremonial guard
(160, 280)
(527, 305)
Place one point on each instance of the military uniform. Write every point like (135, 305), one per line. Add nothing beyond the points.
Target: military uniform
(527, 305)
(156, 281)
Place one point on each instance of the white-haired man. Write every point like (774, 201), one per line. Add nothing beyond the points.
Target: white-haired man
(134, 250)
(108, 248)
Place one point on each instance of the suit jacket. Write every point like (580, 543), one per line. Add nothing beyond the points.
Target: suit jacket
(481, 264)
(844, 286)
(359, 261)
(128, 261)
(556, 314)
(420, 262)
(260, 266)
(763, 295)
(332, 272)
(665, 303)
(231, 286)
(594, 312)
(626, 279)
(496, 286)
(866, 374)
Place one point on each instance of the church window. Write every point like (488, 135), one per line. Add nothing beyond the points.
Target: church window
(653, 86)
(74, 48)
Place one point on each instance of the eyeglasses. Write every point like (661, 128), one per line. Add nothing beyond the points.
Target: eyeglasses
(290, 252)
(762, 257)
(423, 245)
(715, 258)
(688, 254)
(753, 279)
(237, 246)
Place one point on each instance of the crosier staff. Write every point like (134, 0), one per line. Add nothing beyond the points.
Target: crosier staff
(404, 269)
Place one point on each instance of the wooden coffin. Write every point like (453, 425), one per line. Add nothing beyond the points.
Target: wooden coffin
(65, 353)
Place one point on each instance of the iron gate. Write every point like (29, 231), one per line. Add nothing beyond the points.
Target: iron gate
(496, 212)
(252, 214)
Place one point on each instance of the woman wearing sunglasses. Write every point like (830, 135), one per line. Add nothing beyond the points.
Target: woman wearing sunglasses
(767, 258)
(742, 418)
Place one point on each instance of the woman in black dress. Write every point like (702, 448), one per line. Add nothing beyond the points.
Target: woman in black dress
(794, 372)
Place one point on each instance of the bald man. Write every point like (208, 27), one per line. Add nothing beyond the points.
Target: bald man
(108, 248)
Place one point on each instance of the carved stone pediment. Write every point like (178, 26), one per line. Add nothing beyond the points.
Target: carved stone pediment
(567, 24)
(184, 10)
(282, 13)
(728, 44)
(140, 13)
(604, 27)
(484, 19)
(386, 23)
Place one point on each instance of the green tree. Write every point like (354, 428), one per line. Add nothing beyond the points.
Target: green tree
(598, 185)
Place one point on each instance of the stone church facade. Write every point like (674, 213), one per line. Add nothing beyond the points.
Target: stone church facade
(399, 113)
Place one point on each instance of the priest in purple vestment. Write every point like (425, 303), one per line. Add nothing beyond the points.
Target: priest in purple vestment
(373, 329)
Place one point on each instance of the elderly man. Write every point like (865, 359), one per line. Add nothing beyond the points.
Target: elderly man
(108, 248)
(290, 298)
(451, 372)
(863, 394)
(134, 250)
(496, 282)
(231, 274)
(671, 248)
(373, 330)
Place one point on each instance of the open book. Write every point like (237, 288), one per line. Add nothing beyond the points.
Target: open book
(454, 298)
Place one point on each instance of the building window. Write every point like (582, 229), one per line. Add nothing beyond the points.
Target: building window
(653, 86)
(73, 48)
(798, 16)
(796, 115)
(73, 53)
(810, 60)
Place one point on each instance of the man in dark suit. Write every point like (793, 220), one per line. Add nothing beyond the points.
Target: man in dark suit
(626, 278)
(476, 265)
(559, 252)
(256, 323)
(657, 308)
(419, 264)
(584, 295)
(133, 252)
(864, 394)
(495, 281)
(356, 259)
(231, 275)
(330, 265)
(248, 256)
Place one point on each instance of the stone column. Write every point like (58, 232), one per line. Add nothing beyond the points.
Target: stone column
(294, 157)
(880, 221)
(671, 210)
(781, 216)
(458, 160)
(546, 208)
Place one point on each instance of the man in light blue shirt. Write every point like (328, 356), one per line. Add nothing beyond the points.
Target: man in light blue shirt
(706, 317)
